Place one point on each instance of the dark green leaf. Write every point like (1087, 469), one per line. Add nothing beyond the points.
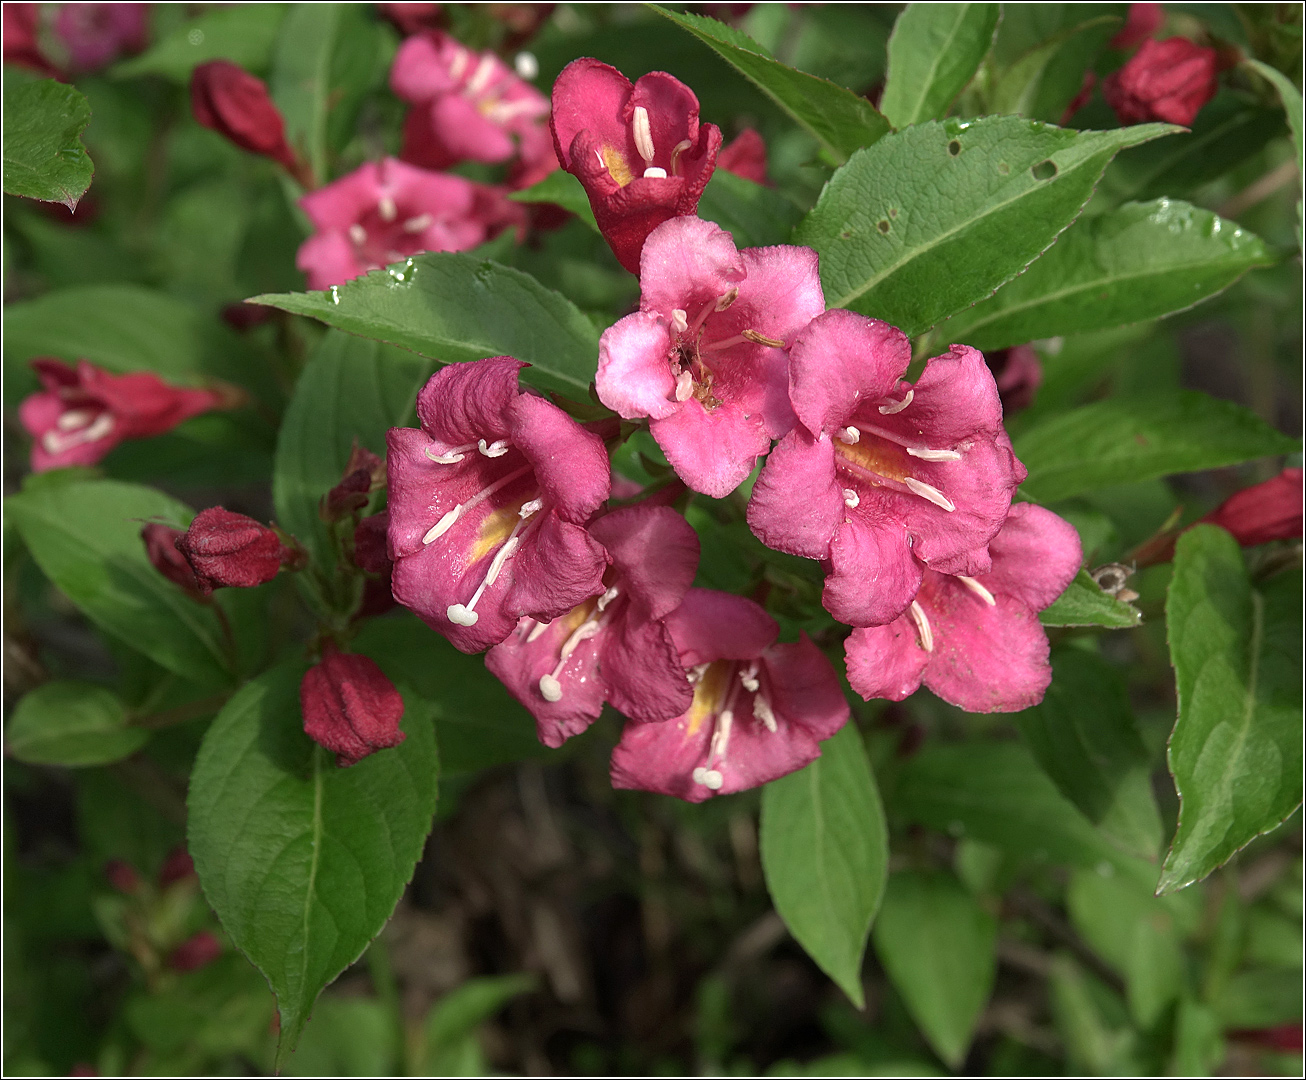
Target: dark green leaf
(1085, 604)
(825, 851)
(86, 538)
(754, 215)
(934, 218)
(939, 947)
(1260, 998)
(301, 77)
(1091, 1021)
(1236, 752)
(933, 53)
(841, 120)
(241, 33)
(347, 1036)
(1038, 84)
(1139, 262)
(301, 860)
(72, 723)
(43, 153)
(562, 189)
(453, 307)
(1125, 440)
(1198, 1045)
(1290, 96)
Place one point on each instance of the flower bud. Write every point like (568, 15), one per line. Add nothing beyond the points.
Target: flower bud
(225, 548)
(195, 952)
(235, 104)
(1165, 80)
(364, 473)
(122, 876)
(161, 549)
(1143, 21)
(1263, 512)
(350, 707)
(745, 156)
(177, 866)
(1018, 374)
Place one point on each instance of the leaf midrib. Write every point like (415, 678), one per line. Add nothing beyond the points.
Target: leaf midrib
(915, 115)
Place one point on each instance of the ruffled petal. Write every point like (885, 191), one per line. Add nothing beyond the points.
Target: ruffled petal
(590, 95)
(1035, 556)
(571, 464)
(712, 625)
(886, 661)
(642, 672)
(804, 687)
(557, 567)
(687, 263)
(712, 451)
(634, 376)
(654, 552)
(797, 504)
(462, 403)
(874, 576)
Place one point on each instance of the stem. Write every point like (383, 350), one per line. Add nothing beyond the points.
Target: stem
(181, 713)
(229, 640)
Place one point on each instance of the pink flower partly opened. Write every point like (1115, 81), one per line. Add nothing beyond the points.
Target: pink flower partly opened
(613, 647)
(759, 708)
(487, 504)
(976, 641)
(882, 478)
(704, 356)
(638, 150)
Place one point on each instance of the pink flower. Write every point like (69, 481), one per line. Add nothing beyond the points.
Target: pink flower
(882, 478)
(639, 151)
(759, 708)
(229, 549)
(468, 106)
(97, 34)
(1018, 373)
(350, 707)
(613, 647)
(84, 412)
(488, 502)
(1143, 21)
(21, 46)
(976, 642)
(161, 549)
(745, 156)
(235, 104)
(1166, 80)
(704, 356)
(382, 213)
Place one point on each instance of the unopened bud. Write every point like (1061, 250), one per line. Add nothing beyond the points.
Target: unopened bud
(350, 707)
(1268, 511)
(235, 104)
(364, 473)
(177, 866)
(195, 952)
(225, 548)
(161, 549)
(122, 876)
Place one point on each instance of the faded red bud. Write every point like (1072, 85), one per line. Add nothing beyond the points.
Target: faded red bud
(1264, 512)
(225, 548)
(364, 473)
(122, 876)
(350, 707)
(161, 548)
(195, 952)
(1165, 80)
(177, 866)
(235, 104)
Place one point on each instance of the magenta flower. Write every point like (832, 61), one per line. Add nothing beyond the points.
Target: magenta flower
(382, 213)
(745, 156)
(704, 356)
(882, 478)
(639, 151)
(84, 412)
(97, 34)
(613, 647)
(468, 106)
(488, 501)
(976, 641)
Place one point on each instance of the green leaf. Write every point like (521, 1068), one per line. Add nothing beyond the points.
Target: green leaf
(939, 947)
(935, 217)
(1139, 262)
(825, 851)
(243, 33)
(1127, 440)
(1083, 733)
(1042, 83)
(347, 1036)
(1085, 604)
(1198, 1043)
(86, 538)
(454, 1018)
(934, 52)
(562, 189)
(351, 388)
(1096, 1044)
(1236, 752)
(839, 119)
(1292, 107)
(44, 157)
(754, 215)
(301, 77)
(302, 861)
(72, 723)
(453, 307)
(1259, 998)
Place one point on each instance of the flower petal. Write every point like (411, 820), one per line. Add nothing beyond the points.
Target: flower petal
(462, 403)
(642, 672)
(1035, 556)
(687, 263)
(634, 377)
(797, 504)
(571, 464)
(875, 577)
(712, 450)
(712, 625)
(886, 661)
(654, 552)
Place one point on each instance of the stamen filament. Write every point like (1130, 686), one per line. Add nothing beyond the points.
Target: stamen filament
(922, 626)
(453, 454)
(445, 523)
(537, 630)
(495, 449)
(481, 76)
(465, 614)
(978, 589)
(762, 711)
(931, 494)
(676, 151)
(897, 406)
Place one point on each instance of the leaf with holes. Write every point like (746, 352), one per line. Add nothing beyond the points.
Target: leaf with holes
(933, 53)
(302, 861)
(44, 157)
(936, 217)
(1236, 752)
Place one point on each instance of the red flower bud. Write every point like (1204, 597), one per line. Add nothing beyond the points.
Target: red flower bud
(745, 156)
(195, 952)
(122, 876)
(1144, 20)
(235, 104)
(1263, 512)
(350, 707)
(161, 548)
(176, 866)
(364, 473)
(1165, 80)
(224, 548)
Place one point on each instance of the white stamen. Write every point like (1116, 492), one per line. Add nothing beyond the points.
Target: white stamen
(496, 449)
(529, 508)
(505, 553)
(696, 673)
(461, 58)
(608, 596)
(526, 65)
(73, 419)
(922, 626)
(445, 522)
(357, 234)
(726, 299)
(481, 76)
(418, 224)
(677, 150)
(550, 688)
(56, 442)
(537, 630)
(443, 525)
(450, 456)
(978, 589)
(849, 436)
(851, 499)
(721, 737)
(684, 386)
(583, 632)
(926, 454)
(749, 678)
(898, 406)
(387, 209)
(762, 710)
(709, 778)
(933, 494)
(461, 616)
(655, 173)
(679, 320)
(599, 154)
(643, 133)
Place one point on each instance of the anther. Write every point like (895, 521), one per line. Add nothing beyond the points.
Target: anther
(932, 494)
(643, 134)
(709, 778)
(696, 673)
(450, 456)
(418, 224)
(679, 320)
(655, 173)
(762, 711)
(850, 436)
(761, 339)
(73, 419)
(550, 688)
(481, 76)
(461, 615)
(529, 508)
(978, 589)
(851, 499)
(922, 626)
(387, 209)
(897, 406)
(357, 234)
(684, 386)
(495, 449)
(608, 596)
(926, 454)
(726, 299)
(443, 525)
(749, 678)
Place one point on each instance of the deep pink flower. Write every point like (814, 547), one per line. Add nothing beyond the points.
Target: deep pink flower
(759, 708)
(97, 34)
(639, 151)
(976, 641)
(1018, 373)
(198, 950)
(350, 707)
(1143, 21)
(381, 213)
(1263, 512)
(84, 412)
(745, 156)
(613, 647)
(161, 549)
(229, 549)
(229, 100)
(20, 39)
(882, 478)
(468, 106)
(1166, 80)
(704, 356)
(412, 18)
(488, 501)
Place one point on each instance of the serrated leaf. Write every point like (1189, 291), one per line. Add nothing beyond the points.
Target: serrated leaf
(243, 34)
(841, 120)
(1140, 262)
(825, 851)
(1122, 441)
(934, 52)
(935, 217)
(1036, 85)
(302, 861)
(561, 189)
(754, 215)
(1085, 604)
(1236, 752)
(44, 157)
(939, 948)
(72, 723)
(453, 307)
